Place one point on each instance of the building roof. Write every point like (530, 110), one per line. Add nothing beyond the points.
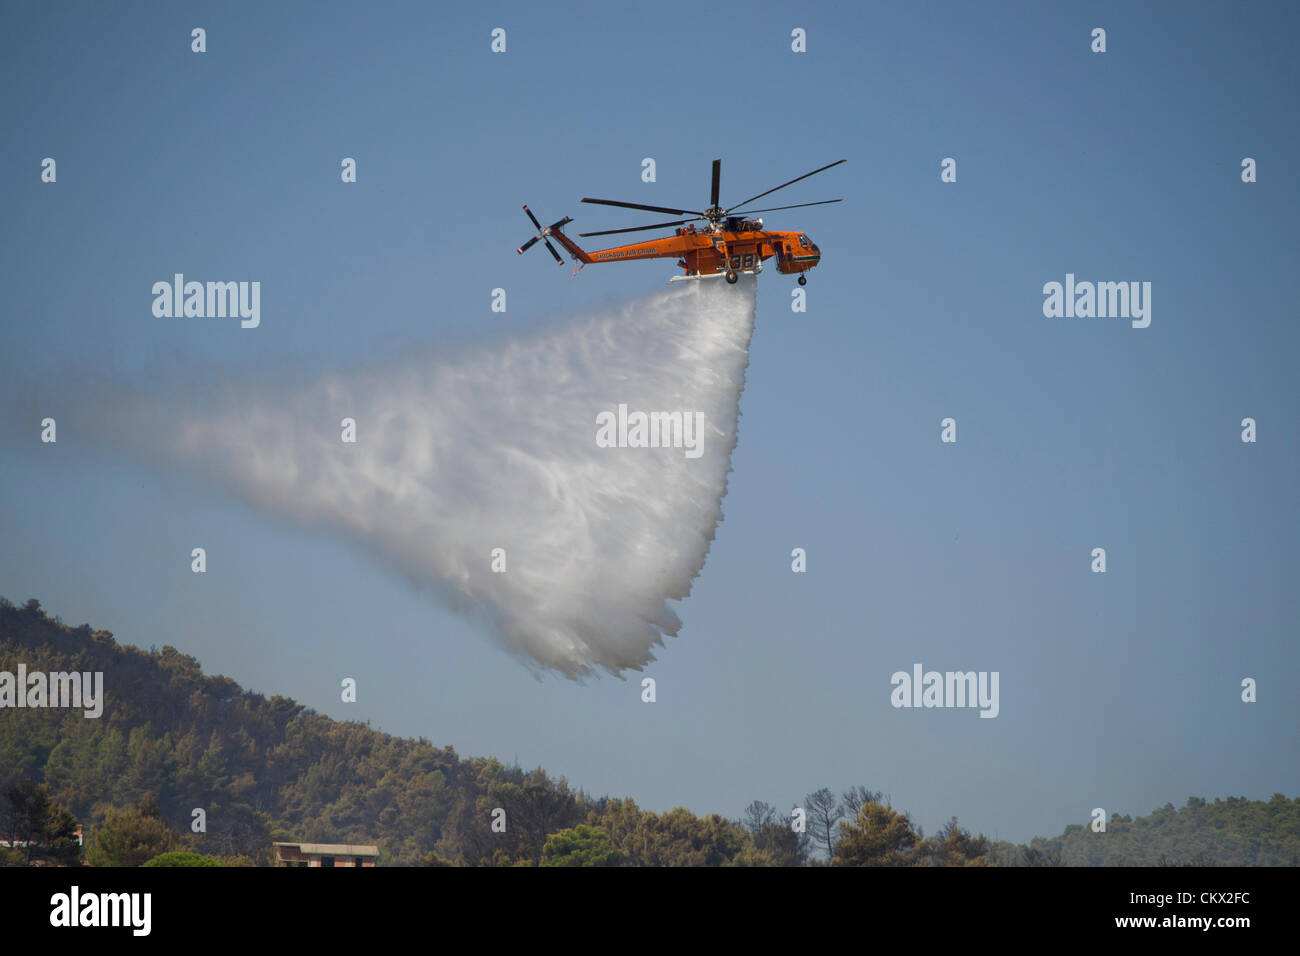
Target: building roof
(333, 849)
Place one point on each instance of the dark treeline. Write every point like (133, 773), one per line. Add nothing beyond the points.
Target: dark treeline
(172, 739)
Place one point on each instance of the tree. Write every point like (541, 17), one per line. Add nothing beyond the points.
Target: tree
(823, 816)
(29, 815)
(855, 797)
(131, 836)
(582, 845)
(954, 846)
(534, 810)
(236, 830)
(1034, 856)
(782, 844)
(675, 838)
(878, 835)
(775, 840)
(758, 815)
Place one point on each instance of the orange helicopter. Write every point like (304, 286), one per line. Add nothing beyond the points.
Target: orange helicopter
(728, 245)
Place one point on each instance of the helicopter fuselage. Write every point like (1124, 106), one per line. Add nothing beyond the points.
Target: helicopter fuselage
(738, 245)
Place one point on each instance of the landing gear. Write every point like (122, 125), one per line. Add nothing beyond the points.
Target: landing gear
(731, 277)
(803, 279)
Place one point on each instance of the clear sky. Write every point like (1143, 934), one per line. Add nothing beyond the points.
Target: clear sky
(1118, 690)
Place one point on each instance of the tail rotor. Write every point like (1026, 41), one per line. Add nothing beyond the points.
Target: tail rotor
(542, 233)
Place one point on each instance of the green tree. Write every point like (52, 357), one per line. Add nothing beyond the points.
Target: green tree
(878, 835)
(582, 845)
(129, 837)
(954, 846)
(29, 815)
(675, 838)
(774, 838)
(236, 830)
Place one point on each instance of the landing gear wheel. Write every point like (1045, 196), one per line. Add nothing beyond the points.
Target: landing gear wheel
(731, 278)
(803, 280)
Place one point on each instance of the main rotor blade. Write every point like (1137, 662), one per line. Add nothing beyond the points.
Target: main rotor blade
(658, 225)
(528, 245)
(717, 176)
(533, 218)
(783, 185)
(824, 202)
(553, 252)
(637, 205)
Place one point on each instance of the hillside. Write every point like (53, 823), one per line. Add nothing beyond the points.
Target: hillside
(1231, 832)
(270, 769)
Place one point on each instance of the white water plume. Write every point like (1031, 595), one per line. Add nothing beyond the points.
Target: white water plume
(494, 446)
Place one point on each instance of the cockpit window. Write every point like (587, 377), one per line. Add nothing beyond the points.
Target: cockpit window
(803, 240)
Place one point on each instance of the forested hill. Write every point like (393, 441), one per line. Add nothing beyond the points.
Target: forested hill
(171, 739)
(261, 768)
(266, 769)
(1231, 832)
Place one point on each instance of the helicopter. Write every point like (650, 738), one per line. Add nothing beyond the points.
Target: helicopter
(726, 245)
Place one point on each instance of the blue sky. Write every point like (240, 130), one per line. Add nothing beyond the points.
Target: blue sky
(1118, 690)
